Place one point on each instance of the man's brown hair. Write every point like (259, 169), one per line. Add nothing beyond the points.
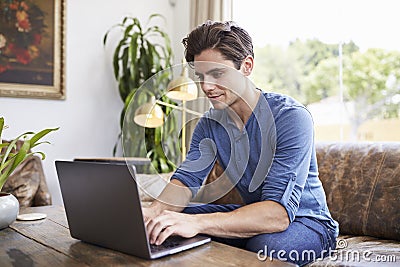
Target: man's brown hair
(232, 41)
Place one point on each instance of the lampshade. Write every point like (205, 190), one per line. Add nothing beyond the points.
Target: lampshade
(182, 88)
(149, 115)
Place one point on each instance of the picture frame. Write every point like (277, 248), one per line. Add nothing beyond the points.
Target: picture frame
(32, 49)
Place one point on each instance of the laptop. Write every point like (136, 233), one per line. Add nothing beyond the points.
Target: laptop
(103, 208)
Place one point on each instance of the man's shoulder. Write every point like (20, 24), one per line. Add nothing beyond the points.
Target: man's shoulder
(281, 100)
(281, 105)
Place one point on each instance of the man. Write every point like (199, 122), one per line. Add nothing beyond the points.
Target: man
(264, 142)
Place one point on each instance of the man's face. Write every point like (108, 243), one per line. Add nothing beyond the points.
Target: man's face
(220, 81)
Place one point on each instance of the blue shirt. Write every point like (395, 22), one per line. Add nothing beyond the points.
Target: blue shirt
(272, 158)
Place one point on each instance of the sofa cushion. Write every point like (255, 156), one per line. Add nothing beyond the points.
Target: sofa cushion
(28, 182)
(218, 188)
(361, 181)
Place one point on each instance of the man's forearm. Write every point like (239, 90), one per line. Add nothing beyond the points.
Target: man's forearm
(174, 197)
(247, 221)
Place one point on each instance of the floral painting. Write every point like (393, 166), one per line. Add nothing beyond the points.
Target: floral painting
(21, 30)
(31, 48)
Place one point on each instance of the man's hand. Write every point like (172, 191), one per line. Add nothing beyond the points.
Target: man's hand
(170, 223)
(162, 217)
(148, 214)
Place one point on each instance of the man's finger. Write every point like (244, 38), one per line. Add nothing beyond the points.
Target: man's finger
(167, 232)
(159, 227)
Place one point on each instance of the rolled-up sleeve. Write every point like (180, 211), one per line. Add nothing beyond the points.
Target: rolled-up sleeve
(290, 166)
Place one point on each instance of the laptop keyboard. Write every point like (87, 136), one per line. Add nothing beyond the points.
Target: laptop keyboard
(170, 242)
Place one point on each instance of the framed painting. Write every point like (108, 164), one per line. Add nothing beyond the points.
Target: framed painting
(32, 48)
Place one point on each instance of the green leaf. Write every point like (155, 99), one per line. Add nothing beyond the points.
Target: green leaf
(1, 126)
(40, 135)
(116, 144)
(8, 162)
(116, 60)
(125, 60)
(20, 156)
(43, 156)
(127, 32)
(4, 175)
(105, 38)
(13, 146)
(152, 16)
(164, 166)
(3, 145)
(133, 49)
(39, 143)
(136, 22)
(108, 32)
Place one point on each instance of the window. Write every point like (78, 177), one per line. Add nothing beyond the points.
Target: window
(339, 58)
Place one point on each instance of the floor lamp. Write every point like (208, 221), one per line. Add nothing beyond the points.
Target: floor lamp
(150, 114)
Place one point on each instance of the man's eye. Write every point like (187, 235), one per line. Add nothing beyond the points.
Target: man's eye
(217, 74)
(199, 76)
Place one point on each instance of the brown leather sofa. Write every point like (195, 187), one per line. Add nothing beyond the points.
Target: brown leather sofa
(28, 183)
(362, 185)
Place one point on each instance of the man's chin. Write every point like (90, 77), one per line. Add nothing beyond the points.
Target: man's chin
(219, 105)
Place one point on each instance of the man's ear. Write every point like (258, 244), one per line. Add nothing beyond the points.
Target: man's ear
(247, 65)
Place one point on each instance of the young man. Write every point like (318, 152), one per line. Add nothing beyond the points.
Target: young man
(265, 144)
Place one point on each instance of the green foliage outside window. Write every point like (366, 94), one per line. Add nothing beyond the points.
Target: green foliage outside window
(309, 71)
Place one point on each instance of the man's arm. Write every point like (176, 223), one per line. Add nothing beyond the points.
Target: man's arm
(247, 221)
(174, 197)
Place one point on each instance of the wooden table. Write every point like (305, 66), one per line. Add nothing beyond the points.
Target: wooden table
(48, 242)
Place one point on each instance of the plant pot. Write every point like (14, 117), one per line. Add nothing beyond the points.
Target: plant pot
(9, 208)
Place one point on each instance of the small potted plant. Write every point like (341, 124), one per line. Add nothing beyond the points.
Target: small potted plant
(10, 159)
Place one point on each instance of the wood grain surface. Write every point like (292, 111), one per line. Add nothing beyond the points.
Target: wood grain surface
(47, 242)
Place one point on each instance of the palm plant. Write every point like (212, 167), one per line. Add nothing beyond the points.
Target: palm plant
(141, 53)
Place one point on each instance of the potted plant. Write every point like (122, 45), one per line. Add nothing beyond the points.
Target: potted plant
(141, 53)
(10, 159)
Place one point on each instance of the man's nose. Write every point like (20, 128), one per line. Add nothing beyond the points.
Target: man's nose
(208, 86)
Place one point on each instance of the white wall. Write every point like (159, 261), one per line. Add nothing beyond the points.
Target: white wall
(181, 27)
(88, 118)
